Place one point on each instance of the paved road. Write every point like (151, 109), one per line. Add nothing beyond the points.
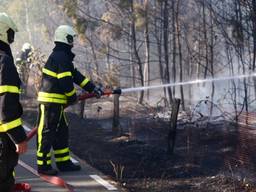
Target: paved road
(88, 179)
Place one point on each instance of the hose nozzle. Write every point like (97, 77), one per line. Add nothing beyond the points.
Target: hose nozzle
(117, 91)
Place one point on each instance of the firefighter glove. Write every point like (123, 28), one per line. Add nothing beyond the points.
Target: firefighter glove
(98, 92)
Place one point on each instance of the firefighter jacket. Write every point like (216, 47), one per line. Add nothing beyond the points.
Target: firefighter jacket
(10, 107)
(59, 75)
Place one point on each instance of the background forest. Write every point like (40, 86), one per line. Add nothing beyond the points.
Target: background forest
(132, 43)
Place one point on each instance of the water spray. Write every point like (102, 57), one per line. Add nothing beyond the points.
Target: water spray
(197, 81)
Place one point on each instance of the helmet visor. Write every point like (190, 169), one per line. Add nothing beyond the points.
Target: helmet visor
(70, 39)
(10, 35)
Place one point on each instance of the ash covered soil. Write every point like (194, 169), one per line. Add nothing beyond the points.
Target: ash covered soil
(213, 156)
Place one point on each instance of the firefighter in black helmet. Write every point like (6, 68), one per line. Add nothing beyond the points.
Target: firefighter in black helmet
(57, 91)
(12, 134)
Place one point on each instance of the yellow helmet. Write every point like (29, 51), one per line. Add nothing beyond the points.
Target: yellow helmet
(7, 28)
(64, 34)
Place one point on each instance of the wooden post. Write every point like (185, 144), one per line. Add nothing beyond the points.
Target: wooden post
(81, 112)
(173, 125)
(116, 123)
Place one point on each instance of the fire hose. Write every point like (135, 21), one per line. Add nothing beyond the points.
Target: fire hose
(57, 181)
(106, 93)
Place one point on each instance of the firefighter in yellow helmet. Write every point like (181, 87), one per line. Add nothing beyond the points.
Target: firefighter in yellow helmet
(12, 134)
(57, 91)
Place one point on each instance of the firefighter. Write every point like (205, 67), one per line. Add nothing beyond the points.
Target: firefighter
(57, 91)
(12, 134)
(23, 62)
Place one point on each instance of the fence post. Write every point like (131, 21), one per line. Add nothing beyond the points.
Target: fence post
(116, 123)
(173, 125)
(81, 109)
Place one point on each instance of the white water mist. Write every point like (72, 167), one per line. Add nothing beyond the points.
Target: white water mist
(197, 81)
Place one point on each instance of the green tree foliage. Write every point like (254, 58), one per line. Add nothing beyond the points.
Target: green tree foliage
(124, 4)
(140, 16)
(70, 8)
(110, 29)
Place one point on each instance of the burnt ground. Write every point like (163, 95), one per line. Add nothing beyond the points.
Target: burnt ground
(213, 157)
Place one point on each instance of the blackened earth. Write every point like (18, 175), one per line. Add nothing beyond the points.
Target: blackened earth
(208, 157)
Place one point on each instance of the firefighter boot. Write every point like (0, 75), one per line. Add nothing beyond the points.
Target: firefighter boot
(68, 166)
(46, 170)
